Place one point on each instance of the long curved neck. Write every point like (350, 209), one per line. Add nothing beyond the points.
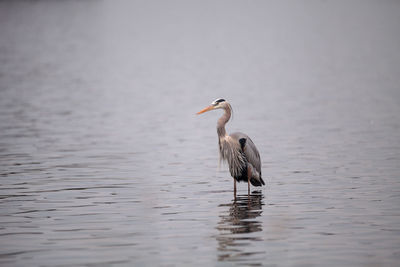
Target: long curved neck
(222, 121)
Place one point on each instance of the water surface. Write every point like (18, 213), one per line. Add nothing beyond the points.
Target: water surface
(103, 161)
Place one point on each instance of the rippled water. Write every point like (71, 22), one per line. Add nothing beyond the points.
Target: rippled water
(103, 161)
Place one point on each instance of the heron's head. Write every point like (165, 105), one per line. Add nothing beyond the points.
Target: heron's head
(218, 103)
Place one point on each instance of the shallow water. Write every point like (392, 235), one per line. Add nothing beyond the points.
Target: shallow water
(103, 161)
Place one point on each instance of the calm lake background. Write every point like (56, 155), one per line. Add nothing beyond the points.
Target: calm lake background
(103, 162)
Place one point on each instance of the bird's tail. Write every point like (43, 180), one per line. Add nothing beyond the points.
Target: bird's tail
(256, 179)
(257, 182)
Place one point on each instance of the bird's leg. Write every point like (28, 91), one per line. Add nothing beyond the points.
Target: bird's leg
(248, 180)
(234, 187)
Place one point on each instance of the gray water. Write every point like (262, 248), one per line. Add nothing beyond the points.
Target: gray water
(103, 161)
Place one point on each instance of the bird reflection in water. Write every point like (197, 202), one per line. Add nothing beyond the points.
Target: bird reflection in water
(237, 227)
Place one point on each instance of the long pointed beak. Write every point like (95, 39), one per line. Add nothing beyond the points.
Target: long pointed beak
(205, 109)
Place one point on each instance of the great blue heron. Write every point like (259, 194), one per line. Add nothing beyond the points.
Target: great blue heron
(237, 149)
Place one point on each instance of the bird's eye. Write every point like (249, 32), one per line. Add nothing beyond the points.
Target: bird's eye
(217, 101)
